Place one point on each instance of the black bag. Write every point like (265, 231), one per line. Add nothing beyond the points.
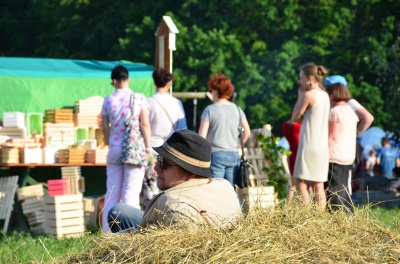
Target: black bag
(242, 179)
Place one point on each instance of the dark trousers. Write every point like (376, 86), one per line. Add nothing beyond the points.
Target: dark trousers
(337, 187)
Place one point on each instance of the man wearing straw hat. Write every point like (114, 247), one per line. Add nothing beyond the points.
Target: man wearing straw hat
(189, 195)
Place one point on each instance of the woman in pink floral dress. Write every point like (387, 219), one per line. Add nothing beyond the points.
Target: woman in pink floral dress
(124, 181)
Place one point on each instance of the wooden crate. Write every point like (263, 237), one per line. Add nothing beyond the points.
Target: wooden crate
(36, 218)
(60, 134)
(75, 185)
(71, 155)
(97, 156)
(30, 155)
(73, 171)
(9, 155)
(59, 116)
(90, 211)
(64, 215)
(49, 155)
(253, 197)
(57, 187)
(32, 191)
(13, 132)
(32, 205)
(87, 120)
(14, 119)
(91, 105)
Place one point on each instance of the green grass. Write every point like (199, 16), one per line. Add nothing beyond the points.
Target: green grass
(389, 218)
(24, 247)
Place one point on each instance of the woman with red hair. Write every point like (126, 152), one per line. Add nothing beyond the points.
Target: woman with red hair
(220, 124)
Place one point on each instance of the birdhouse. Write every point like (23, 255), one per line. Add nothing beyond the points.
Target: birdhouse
(165, 43)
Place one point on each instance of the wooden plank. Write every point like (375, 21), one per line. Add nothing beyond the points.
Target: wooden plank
(63, 214)
(8, 187)
(66, 222)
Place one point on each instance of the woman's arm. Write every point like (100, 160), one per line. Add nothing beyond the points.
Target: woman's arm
(366, 119)
(305, 100)
(145, 129)
(105, 125)
(246, 130)
(332, 137)
(203, 129)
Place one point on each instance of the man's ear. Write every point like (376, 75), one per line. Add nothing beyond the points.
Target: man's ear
(191, 176)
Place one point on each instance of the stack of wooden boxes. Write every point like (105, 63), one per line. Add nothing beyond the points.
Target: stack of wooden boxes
(20, 150)
(59, 128)
(31, 198)
(64, 204)
(71, 155)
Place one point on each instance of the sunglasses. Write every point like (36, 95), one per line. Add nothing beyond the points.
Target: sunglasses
(163, 162)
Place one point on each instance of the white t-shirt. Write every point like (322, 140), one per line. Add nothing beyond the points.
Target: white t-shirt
(354, 104)
(344, 150)
(166, 116)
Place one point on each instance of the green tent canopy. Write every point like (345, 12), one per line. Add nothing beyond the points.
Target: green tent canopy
(35, 85)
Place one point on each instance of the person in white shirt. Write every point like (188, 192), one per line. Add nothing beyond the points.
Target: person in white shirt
(166, 112)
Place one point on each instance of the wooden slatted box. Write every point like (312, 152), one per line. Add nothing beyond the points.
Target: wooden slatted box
(59, 116)
(64, 215)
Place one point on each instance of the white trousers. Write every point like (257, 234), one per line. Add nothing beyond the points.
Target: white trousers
(124, 184)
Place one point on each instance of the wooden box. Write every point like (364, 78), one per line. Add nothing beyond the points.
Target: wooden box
(97, 156)
(14, 119)
(90, 211)
(32, 205)
(73, 171)
(59, 116)
(57, 187)
(30, 155)
(87, 120)
(71, 155)
(91, 105)
(61, 134)
(260, 196)
(13, 132)
(32, 191)
(9, 155)
(64, 215)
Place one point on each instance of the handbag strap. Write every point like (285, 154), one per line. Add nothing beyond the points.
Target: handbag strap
(132, 102)
(240, 131)
(165, 111)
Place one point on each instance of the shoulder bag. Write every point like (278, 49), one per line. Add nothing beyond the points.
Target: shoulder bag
(242, 179)
(133, 147)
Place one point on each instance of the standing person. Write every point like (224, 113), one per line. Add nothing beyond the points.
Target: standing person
(370, 162)
(387, 157)
(189, 196)
(166, 112)
(365, 117)
(166, 116)
(220, 126)
(124, 181)
(342, 146)
(291, 131)
(312, 109)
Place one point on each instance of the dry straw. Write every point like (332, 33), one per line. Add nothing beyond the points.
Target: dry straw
(286, 234)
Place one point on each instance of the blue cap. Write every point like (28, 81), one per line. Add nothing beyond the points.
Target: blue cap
(335, 79)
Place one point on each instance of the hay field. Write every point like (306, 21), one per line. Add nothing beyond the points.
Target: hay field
(285, 234)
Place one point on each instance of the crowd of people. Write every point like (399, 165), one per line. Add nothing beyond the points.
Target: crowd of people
(188, 177)
(191, 176)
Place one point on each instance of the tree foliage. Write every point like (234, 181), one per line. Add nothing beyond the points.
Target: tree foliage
(260, 44)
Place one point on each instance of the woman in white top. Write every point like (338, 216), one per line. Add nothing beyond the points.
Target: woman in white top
(312, 109)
